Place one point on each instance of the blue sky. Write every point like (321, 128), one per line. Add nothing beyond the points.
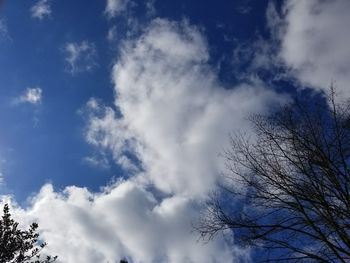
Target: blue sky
(32, 55)
(118, 109)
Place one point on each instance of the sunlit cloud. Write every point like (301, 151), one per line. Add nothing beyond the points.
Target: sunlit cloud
(169, 122)
(115, 7)
(97, 161)
(4, 32)
(41, 9)
(314, 41)
(32, 96)
(112, 34)
(80, 57)
(170, 119)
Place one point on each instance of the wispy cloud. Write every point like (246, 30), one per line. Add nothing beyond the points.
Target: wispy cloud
(3, 30)
(115, 7)
(2, 163)
(31, 95)
(244, 7)
(80, 57)
(97, 161)
(41, 9)
(112, 34)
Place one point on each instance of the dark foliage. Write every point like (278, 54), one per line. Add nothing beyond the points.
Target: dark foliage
(20, 246)
(294, 180)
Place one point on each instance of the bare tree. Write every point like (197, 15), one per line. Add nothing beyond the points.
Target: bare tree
(294, 180)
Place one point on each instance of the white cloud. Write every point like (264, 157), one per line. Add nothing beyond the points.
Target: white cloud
(41, 9)
(80, 57)
(123, 220)
(314, 39)
(176, 117)
(2, 164)
(112, 34)
(3, 30)
(173, 115)
(151, 9)
(115, 7)
(244, 7)
(31, 95)
(97, 161)
(93, 104)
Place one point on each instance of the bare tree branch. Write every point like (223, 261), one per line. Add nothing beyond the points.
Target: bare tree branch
(294, 179)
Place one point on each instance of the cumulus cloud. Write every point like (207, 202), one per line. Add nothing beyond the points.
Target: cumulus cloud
(176, 117)
(115, 7)
(31, 95)
(41, 9)
(314, 42)
(170, 120)
(80, 57)
(125, 220)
